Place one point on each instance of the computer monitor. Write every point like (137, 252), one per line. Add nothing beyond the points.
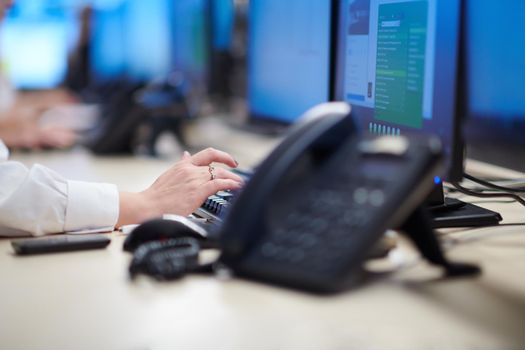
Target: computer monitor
(494, 56)
(131, 40)
(191, 39)
(288, 58)
(396, 64)
(108, 61)
(222, 22)
(148, 38)
(34, 44)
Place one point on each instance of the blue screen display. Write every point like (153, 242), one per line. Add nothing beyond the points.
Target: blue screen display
(148, 38)
(494, 82)
(144, 40)
(495, 59)
(108, 53)
(223, 17)
(35, 40)
(190, 38)
(35, 54)
(288, 57)
(132, 39)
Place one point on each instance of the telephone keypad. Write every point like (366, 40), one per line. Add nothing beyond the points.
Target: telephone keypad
(322, 229)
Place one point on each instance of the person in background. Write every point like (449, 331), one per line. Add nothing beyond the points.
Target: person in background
(39, 201)
(20, 113)
(78, 76)
(20, 127)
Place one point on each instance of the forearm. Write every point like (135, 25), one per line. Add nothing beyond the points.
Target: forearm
(135, 208)
(39, 201)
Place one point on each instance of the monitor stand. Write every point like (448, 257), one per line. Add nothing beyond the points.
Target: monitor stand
(451, 212)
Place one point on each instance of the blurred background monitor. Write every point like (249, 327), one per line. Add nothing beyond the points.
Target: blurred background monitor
(397, 65)
(190, 43)
(34, 42)
(131, 40)
(107, 44)
(222, 22)
(494, 61)
(288, 58)
(148, 39)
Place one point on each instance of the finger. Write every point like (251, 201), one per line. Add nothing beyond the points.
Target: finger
(186, 155)
(58, 138)
(211, 155)
(217, 185)
(221, 173)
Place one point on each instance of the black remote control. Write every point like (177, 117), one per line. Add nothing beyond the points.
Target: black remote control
(62, 243)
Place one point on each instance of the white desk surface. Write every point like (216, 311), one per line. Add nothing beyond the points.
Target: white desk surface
(84, 300)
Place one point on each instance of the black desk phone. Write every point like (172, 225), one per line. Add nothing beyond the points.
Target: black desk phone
(315, 207)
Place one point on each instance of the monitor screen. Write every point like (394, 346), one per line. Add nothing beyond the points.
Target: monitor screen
(148, 38)
(396, 64)
(494, 69)
(108, 53)
(35, 40)
(223, 18)
(190, 44)
(131, 39)
(288, 57)
(35, 53)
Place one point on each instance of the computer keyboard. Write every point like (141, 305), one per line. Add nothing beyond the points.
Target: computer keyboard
(215, 207)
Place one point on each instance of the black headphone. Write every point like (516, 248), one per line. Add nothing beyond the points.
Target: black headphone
(167, 249)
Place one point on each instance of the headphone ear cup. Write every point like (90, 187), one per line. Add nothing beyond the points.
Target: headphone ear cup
(166, 260)
(165, 266)
(152, 230)
(147, 231)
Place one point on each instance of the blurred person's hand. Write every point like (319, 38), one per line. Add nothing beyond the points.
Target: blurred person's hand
(55, 137)
(181, 189)
(33, 137)
(45, 99)
(20, 128)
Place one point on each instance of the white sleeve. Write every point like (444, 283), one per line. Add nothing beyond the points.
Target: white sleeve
(39, 201)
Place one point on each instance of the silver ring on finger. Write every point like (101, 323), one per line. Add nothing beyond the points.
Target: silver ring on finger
(211, 170)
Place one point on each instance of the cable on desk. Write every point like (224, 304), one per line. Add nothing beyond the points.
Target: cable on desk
(461, 196)
(449, 241)
(491, 185)
(494, 201)
(470, 192)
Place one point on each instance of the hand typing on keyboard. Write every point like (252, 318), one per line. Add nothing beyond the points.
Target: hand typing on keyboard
(183, 187)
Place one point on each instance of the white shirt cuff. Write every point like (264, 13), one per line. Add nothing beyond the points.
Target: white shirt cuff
(91, 207)
(4, 152)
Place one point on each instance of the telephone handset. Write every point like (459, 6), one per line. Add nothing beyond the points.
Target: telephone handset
(315, 207)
